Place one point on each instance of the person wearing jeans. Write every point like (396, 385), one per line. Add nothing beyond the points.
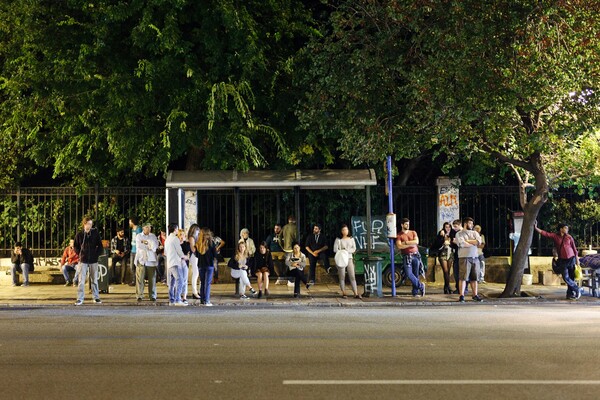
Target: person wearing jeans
(89, 246)
(207, 253)
(567, 255)
(22, 261)
(175, 258)
(408, 244)
(68, 262)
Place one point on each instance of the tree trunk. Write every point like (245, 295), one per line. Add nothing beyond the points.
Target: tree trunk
(531, 210)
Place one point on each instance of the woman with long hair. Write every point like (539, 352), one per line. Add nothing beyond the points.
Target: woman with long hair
(207, 253)
(187, 250)
(444, 253)
(296, 263)
(263, 262)
(344, 261)
(239, 268)
(192, 238)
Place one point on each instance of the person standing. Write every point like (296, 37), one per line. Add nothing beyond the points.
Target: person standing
(174, 259)
(444, 253)
(21, 260)
(408, 244)
(89, 247)
(183, 282)
(264, 267)
(219, 244)
(456, 227)
(192, 238)
(566, 257)
(68, 262)
(345, 262)
(316, 248)
(135, 230)
(481, 278)
(468, 241)
(290, 236)
(296, 263)
(119, 247)
(207, 254)
(274, 244)
(146, 262)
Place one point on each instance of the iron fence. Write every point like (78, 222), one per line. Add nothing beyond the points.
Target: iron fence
(44, 219)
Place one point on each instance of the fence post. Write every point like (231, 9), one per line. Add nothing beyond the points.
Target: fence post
(18, 213)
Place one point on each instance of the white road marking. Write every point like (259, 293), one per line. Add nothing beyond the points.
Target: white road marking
(444, 382)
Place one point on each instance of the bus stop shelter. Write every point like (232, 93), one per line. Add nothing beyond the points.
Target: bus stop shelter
(182, 186)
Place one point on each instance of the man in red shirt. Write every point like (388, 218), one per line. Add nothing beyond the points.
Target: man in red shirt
(68, 263)
(408, 244)
(567, 257)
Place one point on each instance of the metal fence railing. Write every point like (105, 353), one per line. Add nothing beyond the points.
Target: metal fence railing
(44, 219)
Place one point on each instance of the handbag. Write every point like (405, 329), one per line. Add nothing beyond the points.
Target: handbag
(342, 258)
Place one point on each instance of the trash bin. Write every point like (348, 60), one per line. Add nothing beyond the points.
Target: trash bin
(372, 266)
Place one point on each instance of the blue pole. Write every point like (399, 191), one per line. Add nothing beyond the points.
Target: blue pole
(391, 210)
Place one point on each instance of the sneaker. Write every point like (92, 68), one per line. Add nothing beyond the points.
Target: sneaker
(422, 289)
(171, 304)
(252, 291)
(244, 297)
(68, 283)
(185, 302)
(181, 304)
(153, 299)
(78, 303)
(209, 304)
(578, 295)
(97, 301)
(477, 298)
(290, 284)
(259, 294)
(280, 282)
(26, 284)
(461, 299)
(311, 282)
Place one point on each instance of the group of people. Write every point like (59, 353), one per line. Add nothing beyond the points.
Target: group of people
(458, 245)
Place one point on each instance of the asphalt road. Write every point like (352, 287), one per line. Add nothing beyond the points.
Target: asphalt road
(476, 352)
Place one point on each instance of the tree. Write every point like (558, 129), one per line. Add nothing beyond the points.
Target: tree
(104, 92)
(513, 81)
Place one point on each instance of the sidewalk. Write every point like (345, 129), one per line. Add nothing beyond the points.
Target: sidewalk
(321, 295)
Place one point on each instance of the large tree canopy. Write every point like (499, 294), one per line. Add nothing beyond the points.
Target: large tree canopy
(104, 91)
(513, 81)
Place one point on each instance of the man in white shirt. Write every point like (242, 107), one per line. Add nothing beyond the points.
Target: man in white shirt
(175, 257)
(146, 262)
(468, 241)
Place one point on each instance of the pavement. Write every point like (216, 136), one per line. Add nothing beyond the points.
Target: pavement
(319, 295)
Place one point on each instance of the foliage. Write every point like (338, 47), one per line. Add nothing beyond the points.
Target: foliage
(515, 81)
(152, 210)
(104, 92)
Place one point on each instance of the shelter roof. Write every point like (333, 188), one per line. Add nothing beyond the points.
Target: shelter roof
(269, 179)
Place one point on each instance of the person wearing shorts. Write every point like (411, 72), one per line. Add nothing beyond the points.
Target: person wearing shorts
(468, 241)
